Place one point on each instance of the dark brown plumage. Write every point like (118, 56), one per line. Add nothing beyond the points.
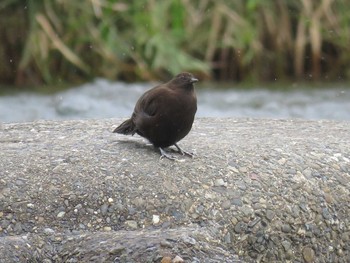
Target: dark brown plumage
(164, 114)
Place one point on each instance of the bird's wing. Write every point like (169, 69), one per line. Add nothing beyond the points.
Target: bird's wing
(149, 101)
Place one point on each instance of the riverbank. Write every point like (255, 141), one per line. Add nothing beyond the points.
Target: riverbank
(257, 190)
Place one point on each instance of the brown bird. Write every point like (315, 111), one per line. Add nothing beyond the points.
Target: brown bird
(164, 114)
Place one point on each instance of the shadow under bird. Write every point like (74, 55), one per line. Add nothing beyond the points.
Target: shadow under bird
(164, 114)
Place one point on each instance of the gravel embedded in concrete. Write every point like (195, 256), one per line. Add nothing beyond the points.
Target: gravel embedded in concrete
(257, 190)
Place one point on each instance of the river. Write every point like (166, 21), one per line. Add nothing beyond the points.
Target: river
(104, 99)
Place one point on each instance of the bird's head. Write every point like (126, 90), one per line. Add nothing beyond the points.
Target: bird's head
(184, 79)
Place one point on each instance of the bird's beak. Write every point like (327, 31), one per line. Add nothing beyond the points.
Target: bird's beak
(193, 80)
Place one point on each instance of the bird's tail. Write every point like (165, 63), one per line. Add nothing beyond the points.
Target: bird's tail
(127, 127)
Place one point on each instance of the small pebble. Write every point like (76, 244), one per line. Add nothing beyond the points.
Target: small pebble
(286, 228)
(155, 219)
(247, 210)
(234, 220)
(189, 240)
(241, 185)
(104, 209)
(178, 259)
(166, 260)
(282, 161)
(61, 214)
(308, 254)
(226, 204)
(240, 227)
(48, 231)
(165, 243)
(131, 224)
(237, 201)
(243, 169)
(286, 245)
(30, 205)
(325, 213)
(227, 238)
(107, 228)
(329, 198)
(219, 182)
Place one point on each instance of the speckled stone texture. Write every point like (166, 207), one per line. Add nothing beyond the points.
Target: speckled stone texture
(257, 191)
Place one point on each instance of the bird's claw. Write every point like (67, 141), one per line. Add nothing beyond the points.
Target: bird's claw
(184, 152)
(164, 154)
(188, 154)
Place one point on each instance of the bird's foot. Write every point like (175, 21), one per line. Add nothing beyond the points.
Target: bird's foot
(184, 152)
(164, 154)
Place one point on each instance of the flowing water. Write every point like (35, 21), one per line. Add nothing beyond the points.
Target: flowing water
(104, 99)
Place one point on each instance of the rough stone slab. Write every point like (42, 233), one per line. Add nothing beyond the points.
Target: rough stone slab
(257, 190)
(145, 245)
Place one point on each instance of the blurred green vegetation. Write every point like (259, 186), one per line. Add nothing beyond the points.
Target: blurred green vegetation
(243, 40)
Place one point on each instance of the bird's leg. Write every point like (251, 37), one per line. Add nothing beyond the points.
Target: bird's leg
(163, 154)
(182, 151)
